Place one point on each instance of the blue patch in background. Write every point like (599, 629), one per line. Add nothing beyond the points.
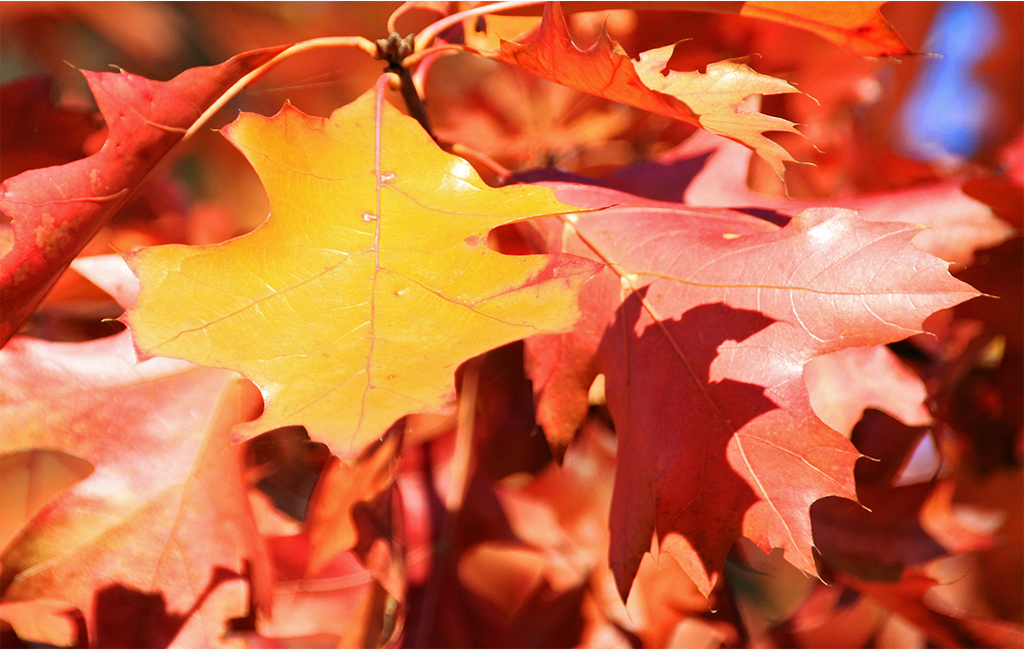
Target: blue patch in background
(948, 108)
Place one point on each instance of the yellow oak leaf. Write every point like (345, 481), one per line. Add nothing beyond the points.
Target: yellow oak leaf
(370, 281)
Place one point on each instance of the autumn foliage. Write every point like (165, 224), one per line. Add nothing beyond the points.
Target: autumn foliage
(521, 326)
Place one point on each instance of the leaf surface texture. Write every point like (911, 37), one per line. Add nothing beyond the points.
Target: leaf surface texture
(370, 282)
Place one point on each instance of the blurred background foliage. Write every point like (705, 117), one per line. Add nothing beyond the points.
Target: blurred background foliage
(872, 126)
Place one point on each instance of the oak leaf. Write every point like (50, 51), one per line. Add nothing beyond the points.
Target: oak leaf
(845, 383)
(371, 280)
(712, 172)
(161, 527)
(709, 100)
(704, 365)
(856, 26)
(170, 470)
(57, 210)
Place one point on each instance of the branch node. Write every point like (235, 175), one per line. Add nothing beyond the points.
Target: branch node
(394, 49)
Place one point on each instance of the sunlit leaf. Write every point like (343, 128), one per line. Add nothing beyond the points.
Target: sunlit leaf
(369, 283)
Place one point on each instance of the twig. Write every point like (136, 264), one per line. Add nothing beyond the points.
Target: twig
(394, 49)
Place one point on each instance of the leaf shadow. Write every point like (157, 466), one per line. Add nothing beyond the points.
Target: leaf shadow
(676, 424)
(661, 180)
(886, 533)
(129, 618)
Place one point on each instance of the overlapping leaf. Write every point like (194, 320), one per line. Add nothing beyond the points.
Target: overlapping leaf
(900, 524)
(856, 26)
(708, 172)
(709, 100)
(57, 210)
(845, 383)
(152, 545)
(704, 366)
(369, 283)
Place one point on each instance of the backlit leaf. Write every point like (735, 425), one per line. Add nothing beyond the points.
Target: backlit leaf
(369, 283)
(856, 26)
(704, 366)
(152, 546)
(957, 224)
(57, 210)
(709, 100)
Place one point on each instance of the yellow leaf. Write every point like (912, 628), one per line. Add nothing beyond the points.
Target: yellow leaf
(353, 304)
(715, 96)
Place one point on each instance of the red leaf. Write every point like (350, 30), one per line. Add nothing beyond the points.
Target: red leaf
(710, 171)
(150, 546)
(57, 210)
(704, 365)
(844, 383)
(563, 367)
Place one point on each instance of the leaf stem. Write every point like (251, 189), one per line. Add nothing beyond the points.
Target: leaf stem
(416, 57)
(465, 151)
(312, 44)
(394, 49)
(407, 86)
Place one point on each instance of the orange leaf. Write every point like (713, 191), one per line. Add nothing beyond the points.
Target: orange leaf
(708, 100)
(352, 305)
(329, 521)
(856, 26)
